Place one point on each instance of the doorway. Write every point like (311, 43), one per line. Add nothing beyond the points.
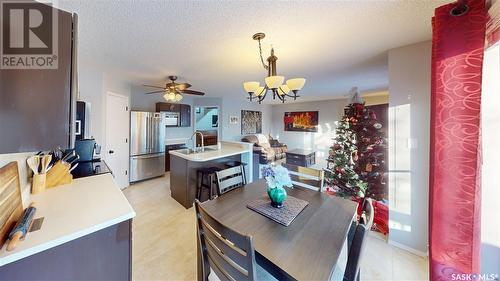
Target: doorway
(117, 135)
(206, 120)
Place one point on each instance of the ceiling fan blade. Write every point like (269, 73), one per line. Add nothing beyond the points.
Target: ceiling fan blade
(152, 86)
(191, 92)
(183, 86)
(154, 92)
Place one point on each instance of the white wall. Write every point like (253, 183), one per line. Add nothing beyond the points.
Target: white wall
(94, 82)
(330, 111)
(228, 107)
(490, 212)
(409, 106)
(233, 107)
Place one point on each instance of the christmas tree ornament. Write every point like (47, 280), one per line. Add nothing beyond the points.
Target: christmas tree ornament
(369, 167)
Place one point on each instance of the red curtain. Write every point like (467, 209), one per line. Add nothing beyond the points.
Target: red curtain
(454, 214)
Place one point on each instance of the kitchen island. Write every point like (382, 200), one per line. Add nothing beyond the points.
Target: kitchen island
(85, 235)
(184, 164)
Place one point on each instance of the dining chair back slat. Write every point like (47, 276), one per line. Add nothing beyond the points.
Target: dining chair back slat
(368, 213)
(306, 177)
(233, 252)
(356, 250)
(229, 253)
(230, 179)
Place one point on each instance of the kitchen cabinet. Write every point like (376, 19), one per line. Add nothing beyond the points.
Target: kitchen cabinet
(168, 148)
(184, 111)
(185, 115)
(36, 105)
(170, 107)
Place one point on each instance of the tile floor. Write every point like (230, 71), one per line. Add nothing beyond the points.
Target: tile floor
(164, 241)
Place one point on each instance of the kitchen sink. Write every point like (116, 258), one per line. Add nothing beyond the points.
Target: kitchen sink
(188, 151)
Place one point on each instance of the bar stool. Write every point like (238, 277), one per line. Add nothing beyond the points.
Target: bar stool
(205, 178)
(230, 164)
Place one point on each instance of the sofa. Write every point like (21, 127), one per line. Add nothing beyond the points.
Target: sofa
(268, 149)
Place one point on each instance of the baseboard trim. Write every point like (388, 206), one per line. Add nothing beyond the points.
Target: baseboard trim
(409, 249)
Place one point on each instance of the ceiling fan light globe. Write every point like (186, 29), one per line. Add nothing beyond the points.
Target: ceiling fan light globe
(178, 97)
(273, 82)
(283, 90)
(251, 87)
(295, 84)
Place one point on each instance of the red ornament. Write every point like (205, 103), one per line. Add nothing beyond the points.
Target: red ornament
(359, 109)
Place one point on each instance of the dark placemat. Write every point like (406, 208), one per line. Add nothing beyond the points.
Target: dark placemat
(291, 209)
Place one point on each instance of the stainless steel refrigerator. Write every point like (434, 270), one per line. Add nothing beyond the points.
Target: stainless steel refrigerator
(147, 145)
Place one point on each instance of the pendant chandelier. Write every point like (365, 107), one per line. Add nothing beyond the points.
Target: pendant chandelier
(273, 82)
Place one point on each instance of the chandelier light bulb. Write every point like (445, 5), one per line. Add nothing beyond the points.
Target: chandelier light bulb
(273, 82)
(259, 91)
(283, 90)
(295, 84)
(251, 87)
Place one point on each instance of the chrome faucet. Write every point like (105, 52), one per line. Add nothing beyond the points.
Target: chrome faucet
(195, 147)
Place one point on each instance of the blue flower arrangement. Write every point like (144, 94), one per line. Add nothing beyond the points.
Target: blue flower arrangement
(276, 177)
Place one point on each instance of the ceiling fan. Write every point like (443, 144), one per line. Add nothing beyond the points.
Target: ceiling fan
(173, 91)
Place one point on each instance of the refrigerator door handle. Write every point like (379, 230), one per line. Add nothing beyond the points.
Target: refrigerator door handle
(148, 149)
(149, 156)
(151, 133)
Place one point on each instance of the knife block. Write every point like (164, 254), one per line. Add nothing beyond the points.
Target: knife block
(59, 174)
(38, 183)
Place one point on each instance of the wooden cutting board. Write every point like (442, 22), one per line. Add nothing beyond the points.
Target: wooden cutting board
(11, 205)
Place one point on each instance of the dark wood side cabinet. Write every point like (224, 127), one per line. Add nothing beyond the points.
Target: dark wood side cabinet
(301, 157)
(184, 111)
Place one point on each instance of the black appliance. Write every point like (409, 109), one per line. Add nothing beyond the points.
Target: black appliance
(82, 123)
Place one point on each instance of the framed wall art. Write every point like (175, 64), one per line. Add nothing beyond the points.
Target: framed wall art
(301, 121)
(251, 122)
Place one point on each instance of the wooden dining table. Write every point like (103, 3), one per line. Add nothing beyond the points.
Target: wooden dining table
(307, 249)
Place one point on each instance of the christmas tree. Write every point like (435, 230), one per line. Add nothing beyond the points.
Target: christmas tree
(372, 150)
(356, 162)
(341, 174)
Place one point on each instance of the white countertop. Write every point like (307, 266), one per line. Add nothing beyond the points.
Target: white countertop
(176, 141)
(227, 149)
(70, 212)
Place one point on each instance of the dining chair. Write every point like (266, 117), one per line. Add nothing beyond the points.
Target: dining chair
(227, 252)
(352, 271)
(368, 213)
(306, 177)
(230, 179)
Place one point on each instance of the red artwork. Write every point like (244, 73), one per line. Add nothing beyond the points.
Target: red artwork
(304, 121)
